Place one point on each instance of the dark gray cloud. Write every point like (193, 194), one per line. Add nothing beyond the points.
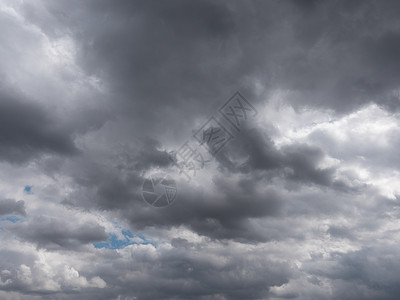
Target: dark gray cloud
(195, 272)
(95, 94)
(190, 54)
(26, 130)
(369, 273)
(224, 213)
(55, 234)
(254, 151)
(11, 207)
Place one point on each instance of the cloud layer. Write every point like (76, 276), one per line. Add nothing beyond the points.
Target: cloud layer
(302, 202)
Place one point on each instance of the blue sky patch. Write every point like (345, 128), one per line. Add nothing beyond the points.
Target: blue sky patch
(12, 219)
(129, 238)
(28, 189)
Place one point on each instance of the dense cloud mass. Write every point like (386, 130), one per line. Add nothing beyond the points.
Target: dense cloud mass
(205, 150)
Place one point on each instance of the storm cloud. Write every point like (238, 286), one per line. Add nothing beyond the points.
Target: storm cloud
(299, 199)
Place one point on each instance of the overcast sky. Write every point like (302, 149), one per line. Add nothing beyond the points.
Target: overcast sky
(101, 103)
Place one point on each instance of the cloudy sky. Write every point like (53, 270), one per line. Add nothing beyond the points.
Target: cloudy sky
(298, 197)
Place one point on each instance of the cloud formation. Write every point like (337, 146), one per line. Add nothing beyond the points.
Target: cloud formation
(302, 203)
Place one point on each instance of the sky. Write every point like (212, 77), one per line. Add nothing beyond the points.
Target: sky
(200, 150)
